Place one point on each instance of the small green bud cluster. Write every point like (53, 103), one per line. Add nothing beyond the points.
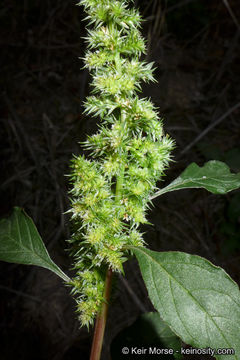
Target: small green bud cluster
(110, 193)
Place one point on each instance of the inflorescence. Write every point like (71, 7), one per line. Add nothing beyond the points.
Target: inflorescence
(110, 193)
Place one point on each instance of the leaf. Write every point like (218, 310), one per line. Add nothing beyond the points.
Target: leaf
(21, 243)
(198, 300)
(148, 331)
(214, 176)
(165, 335)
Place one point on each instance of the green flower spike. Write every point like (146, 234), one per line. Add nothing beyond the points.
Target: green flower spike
(110, 192)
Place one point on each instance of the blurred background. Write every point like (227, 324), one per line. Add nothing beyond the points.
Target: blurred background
(195, 47)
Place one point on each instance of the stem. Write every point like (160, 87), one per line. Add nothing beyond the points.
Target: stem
(101, 320)
(102, 316)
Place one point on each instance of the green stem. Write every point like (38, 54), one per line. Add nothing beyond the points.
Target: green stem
(101, 320)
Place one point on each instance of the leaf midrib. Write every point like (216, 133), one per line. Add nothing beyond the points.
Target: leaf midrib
(29, 250)
(199, 181)
(201, 267)
(180, 181)
(173, 299)
(199, 305)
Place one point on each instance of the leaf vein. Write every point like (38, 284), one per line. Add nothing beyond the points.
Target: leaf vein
(194, 299)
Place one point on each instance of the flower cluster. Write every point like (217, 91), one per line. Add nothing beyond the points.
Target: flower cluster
(110, 193)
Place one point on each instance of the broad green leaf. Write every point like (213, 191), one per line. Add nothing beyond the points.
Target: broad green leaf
(198, 300)
(147, 332)
(214, 176)
(21, 243)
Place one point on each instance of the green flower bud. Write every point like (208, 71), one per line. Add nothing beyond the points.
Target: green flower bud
(135, 238)
(96, 235)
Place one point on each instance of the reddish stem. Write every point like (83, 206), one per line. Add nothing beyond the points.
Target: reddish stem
(101, 320)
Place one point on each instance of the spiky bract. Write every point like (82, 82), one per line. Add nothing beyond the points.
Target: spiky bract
(129, 152)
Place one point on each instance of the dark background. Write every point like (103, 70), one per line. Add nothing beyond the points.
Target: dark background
(195, 47)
